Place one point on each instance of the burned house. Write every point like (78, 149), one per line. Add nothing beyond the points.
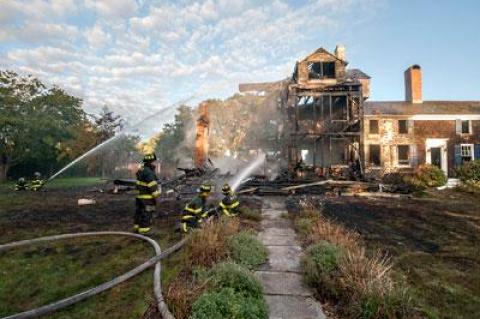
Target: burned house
(400, 135)
(329, 124)
(323, 113)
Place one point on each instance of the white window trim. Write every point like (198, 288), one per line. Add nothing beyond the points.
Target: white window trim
(472, 149)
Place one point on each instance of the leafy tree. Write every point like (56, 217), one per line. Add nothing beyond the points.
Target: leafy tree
(33, 120)
(175, 142)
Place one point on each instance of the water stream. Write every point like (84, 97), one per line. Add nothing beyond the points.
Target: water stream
(247, 171)
(119, 134)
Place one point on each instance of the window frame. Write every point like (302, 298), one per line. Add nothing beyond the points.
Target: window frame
(403, 162)
(370, 161)
(471, 149)
(370, 127)
(469, 126)
(321, 74)
(399, 127)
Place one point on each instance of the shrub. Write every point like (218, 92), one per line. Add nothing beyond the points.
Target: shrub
(246, 249)
(430, 176)
(320, 264)
(469, 172)
(226, 303)
(250, 214)
(233, 292)
(304, 226)
(324, 229)
(236, 277)
(207, 246)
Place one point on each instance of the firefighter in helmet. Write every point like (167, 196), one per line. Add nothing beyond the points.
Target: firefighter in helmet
(196, 209)
(229, 205)
(21, 184)
(145, 203)
(37, 182)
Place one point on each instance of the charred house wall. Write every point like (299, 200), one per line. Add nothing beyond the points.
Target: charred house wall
(323, 114)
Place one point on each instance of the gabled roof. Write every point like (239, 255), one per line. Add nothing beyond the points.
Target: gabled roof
(322, 50)
(427, 107)
(356, 74)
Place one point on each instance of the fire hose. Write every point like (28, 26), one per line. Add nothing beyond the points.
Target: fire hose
(60, 304)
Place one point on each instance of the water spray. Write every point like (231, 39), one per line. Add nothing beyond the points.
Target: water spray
(118, 135)
(247, 171)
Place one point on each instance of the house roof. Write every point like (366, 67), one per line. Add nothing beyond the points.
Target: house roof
(356, 74)
(322, 50)
(427, 107)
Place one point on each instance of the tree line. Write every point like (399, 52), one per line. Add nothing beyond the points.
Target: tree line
(43, 128)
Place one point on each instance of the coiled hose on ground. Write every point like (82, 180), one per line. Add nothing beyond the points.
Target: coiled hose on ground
(162, 307)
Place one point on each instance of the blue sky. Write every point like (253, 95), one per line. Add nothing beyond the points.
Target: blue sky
(137, 55)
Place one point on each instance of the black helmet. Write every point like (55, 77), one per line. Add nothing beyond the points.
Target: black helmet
(148, 158)
(226, 189)
(205, 188)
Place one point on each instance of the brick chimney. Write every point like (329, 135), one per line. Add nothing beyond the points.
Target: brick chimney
(340, 52)
(201, 138)
(413, 84)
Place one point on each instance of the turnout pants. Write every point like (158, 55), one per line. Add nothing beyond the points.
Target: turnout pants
(143, 215)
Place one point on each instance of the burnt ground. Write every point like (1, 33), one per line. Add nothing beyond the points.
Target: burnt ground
(434, 243)
(26, 215)
(48, 272)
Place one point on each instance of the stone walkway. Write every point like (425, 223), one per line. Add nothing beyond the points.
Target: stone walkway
(286, 295)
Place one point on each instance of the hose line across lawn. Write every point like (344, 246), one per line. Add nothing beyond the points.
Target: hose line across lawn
(157, 288)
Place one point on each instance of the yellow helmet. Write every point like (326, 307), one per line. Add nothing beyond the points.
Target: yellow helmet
(149, 158)
(205, 188)
(226, 189)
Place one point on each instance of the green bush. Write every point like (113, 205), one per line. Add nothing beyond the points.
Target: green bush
(304, 226)
(236, 277)
(430, 176)
(226, 303)
(233, 292)
(397, 304)
(251, 214)
(469, 172)
(319, 264)
(245, 249)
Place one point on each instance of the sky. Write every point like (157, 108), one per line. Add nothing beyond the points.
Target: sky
(136, 56)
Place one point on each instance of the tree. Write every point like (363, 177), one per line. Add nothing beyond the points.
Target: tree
(175, 142)
(33, 120)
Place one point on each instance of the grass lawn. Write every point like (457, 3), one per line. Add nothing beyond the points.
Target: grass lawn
(9, 197)
(43, 273)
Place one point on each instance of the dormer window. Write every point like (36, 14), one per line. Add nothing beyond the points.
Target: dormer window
(321, 70)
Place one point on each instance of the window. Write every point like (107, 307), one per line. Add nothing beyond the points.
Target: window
(402, 126)
(339, 108)
(466, 151)
(321, 70)
(375, 155)
(465, 127)
(373, 127)
(403, 152)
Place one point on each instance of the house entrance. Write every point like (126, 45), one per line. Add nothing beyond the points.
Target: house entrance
(436, 156)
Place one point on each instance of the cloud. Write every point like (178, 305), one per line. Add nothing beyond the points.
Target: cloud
(138, 56)
(113, 9)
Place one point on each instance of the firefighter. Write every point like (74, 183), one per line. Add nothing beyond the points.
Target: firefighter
(37, 182)
(196, 210)
(230, 203)
(21, 184)
(145, 203)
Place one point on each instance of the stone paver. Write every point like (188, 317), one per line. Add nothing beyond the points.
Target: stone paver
(293, 307)
(286, 295)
